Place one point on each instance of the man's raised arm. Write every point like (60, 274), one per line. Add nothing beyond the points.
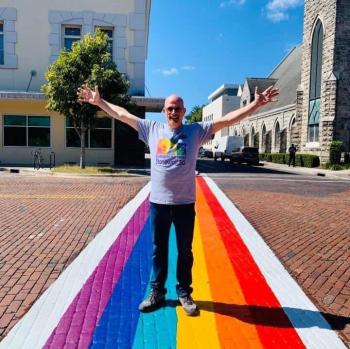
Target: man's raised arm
(86, 95)
(236, 116)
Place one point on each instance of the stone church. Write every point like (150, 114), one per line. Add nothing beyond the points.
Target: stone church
(314, 82)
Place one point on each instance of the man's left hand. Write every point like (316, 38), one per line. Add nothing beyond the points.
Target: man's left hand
(267, 96)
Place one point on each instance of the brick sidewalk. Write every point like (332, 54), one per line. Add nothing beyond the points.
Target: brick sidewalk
(45, 223)
(311, 236)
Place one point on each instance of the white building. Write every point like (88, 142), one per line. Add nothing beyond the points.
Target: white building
(223, 100)
(32, 33)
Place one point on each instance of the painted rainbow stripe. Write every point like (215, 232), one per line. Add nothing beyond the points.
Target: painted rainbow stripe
(238, 307)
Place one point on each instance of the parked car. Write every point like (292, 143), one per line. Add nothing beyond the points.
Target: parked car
(248, 155)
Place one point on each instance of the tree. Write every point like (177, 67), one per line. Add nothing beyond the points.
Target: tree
(195, 115)
(89, 62)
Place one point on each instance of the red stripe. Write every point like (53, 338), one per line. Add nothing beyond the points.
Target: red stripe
(273, 326)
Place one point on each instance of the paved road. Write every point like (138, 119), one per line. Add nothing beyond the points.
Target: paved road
(46, 221)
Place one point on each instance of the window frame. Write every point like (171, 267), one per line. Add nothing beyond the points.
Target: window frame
(315, 81)
(88, 135)
(64, 36)
(27, 127)
(2, 34)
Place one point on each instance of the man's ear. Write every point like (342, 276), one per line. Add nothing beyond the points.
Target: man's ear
(184, 111)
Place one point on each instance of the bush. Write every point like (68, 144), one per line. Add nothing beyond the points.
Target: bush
(307, 160)
(335, 150)
(302, 160)
(335, 167)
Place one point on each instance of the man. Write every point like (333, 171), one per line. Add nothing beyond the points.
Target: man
(292, 150)
(174, 149)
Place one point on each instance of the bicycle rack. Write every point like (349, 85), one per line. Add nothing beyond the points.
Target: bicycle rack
(52, 159)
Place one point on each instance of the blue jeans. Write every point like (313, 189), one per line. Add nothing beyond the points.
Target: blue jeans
(162, 216)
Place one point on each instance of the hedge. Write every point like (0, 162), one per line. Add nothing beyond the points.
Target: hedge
(335, 150)
(303, 160)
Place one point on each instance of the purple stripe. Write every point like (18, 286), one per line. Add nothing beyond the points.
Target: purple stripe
(78, 323)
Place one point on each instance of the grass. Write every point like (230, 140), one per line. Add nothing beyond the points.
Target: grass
(87, 170)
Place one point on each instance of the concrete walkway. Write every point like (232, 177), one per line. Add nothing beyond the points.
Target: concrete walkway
(247, 299)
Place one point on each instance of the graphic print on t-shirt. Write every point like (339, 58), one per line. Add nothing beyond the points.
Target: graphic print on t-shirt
(171, 151)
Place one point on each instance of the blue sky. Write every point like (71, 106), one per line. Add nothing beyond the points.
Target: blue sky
(197, 45)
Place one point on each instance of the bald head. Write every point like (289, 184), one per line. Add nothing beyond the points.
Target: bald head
(174, 111)
(173, 99)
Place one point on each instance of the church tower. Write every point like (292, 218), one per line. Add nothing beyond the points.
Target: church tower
(324, 94)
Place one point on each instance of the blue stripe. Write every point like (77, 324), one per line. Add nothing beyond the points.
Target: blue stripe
(118, 323)
(159, 328)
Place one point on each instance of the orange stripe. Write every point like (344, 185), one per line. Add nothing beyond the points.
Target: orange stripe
(272, 323)
(228, 299)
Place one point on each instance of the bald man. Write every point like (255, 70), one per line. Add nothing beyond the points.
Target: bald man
(173, 148)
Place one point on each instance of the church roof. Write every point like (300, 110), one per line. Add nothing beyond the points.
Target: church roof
(288, 76)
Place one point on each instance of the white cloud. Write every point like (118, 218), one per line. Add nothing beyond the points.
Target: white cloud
(276, 10)
(174, 70)
(228, 3)
(168, 72)
(188, 67)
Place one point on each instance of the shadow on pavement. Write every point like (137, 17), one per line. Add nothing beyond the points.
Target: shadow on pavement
(267, 316)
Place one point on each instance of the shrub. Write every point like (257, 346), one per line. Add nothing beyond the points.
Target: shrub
(302, 160)
(335, 150)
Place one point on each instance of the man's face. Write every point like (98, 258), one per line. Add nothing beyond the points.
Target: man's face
(174, 111)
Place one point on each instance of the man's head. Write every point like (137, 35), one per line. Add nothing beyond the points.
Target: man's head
(174, 111)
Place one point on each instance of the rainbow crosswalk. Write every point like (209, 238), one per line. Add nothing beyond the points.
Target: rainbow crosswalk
(247, 299)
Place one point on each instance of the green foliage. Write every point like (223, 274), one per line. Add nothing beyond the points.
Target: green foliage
(89, 62)
(335, 150)
(336, 167)
(195, 115)
(303, 160)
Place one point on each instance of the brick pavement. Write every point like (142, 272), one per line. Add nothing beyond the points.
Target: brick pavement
(45, 223)
(309, 232)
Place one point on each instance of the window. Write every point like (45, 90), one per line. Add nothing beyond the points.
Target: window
(27, 131)
(100, 137)
(109, 32)
(315, 83)
(71, 34)
(2, 43)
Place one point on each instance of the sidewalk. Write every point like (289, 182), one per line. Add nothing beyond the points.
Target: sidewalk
(246, 297)
(343, 174)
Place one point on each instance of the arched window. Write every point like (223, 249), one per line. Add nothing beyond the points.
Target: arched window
(277, 136)
(315, 82)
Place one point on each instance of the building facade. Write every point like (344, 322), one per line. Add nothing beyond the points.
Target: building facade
(314, 83)
(31, 37)
(224, 99)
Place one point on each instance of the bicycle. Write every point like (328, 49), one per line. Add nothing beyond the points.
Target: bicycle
(37, 159)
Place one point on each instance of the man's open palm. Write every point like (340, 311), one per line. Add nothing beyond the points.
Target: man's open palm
(86, 95)
(267, 96)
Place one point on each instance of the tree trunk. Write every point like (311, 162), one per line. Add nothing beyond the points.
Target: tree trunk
(82, 145)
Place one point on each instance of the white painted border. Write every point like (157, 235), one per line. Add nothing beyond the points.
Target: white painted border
(285, 288)
(34, 329)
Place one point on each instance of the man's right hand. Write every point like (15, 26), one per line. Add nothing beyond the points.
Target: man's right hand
(86, 95)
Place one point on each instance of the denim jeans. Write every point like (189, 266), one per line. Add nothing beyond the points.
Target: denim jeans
(162, 216)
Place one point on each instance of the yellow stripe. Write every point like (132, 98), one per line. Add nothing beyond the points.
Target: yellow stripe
(225, 288)
(198, 332)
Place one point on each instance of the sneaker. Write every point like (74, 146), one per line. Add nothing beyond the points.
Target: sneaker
(152, 302)
(189, 306)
